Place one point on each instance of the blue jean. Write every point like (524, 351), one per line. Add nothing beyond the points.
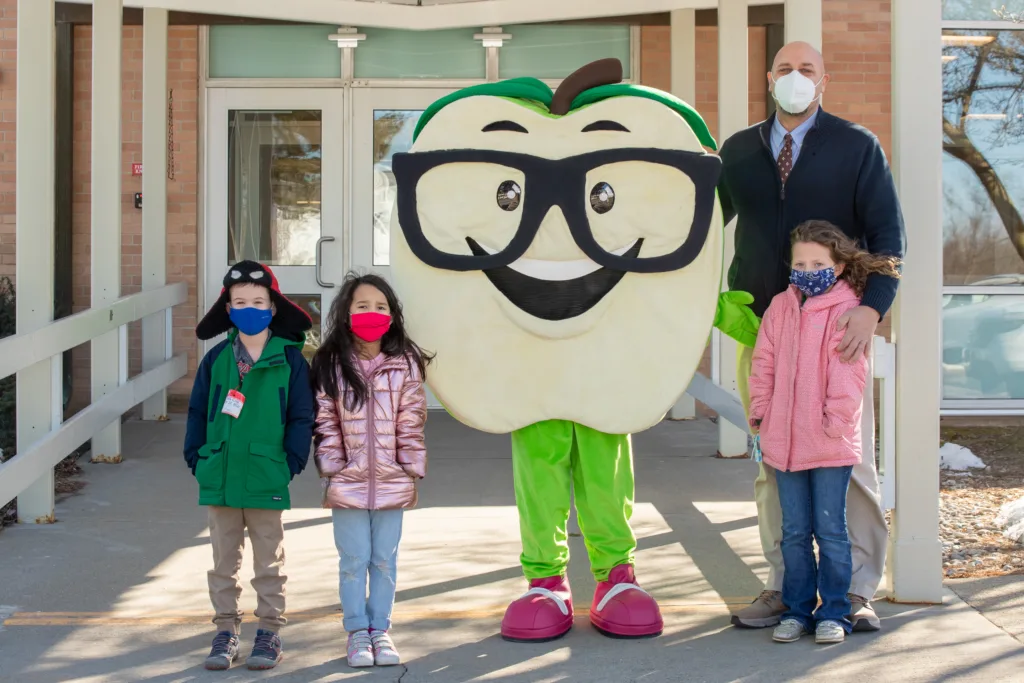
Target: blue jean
(367, 542)
(814, 502)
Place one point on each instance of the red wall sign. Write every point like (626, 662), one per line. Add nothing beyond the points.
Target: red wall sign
(136, 169)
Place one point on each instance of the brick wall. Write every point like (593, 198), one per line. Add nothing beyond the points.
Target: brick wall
(182, 74)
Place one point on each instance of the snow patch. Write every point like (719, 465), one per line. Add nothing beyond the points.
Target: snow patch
(1011, 516)
(954, 457)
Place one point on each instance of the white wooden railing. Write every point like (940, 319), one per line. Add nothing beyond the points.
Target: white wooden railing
(884, 365)
(22, 351)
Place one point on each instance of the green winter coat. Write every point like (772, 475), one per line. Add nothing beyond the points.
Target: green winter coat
(243, 462)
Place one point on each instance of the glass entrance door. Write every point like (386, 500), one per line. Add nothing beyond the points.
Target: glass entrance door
(274, 191)
(383, 122)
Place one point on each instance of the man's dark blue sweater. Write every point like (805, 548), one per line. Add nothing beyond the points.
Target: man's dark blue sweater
(841, 176)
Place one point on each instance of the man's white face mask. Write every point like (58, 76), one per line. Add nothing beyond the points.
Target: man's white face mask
(794, 92)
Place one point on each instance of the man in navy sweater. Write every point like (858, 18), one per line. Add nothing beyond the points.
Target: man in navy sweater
(804, 163)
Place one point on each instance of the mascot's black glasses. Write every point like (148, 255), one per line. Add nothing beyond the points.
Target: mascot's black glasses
(562, 183)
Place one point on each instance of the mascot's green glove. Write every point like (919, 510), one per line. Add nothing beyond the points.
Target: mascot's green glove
(735, 319)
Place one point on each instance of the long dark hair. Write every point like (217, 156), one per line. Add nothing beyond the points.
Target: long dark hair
(859, 263)
(337, 352)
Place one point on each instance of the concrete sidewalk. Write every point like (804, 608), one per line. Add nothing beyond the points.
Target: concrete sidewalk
(116, 590)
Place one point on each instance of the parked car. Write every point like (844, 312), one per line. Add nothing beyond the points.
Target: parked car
(984, 333)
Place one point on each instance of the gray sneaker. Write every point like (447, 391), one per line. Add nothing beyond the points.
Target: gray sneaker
(789, 631)
(762, 613)
(862, 614)
(223, 653)
(828, 632)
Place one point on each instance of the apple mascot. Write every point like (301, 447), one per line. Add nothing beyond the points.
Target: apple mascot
(562, 254)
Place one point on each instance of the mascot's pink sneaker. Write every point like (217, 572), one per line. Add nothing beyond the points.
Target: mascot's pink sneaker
(543, 613)
(622, 609)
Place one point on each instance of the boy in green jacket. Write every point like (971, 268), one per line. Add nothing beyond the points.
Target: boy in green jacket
(250, 426)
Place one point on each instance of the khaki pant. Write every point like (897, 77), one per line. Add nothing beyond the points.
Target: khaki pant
(227, 536)
(864, 515)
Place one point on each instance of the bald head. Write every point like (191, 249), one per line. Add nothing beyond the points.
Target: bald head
(799, 56)
(804, 59)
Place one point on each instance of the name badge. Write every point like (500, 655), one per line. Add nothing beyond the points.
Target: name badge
(233, 403)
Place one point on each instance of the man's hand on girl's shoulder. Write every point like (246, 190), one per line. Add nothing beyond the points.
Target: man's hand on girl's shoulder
(860, 324)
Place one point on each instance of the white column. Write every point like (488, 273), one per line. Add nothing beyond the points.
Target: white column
(35, 227)
(683, 45)
(683, 49)
(732, 117)
(803, 21)
(915, 553)
(106, 209)
(154, 192)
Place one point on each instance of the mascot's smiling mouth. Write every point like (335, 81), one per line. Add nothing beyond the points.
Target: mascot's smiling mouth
(554, 290)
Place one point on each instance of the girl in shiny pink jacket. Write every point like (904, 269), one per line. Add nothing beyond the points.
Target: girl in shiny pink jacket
(805, 407)
(371, 410)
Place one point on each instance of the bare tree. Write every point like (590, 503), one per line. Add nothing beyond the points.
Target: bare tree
(986, 78)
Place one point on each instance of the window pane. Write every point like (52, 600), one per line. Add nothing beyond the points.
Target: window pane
(274, 52)
(392, 132)
(310, 303)
(983, 346)
(274, 186)
(983, 164)
(556, 51)
(983, 10)
(390, 53)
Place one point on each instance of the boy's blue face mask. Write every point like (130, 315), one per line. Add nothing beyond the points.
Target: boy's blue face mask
(813, 282)
(251, 321)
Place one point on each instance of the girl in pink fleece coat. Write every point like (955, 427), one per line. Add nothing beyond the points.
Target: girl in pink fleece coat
(805, 407)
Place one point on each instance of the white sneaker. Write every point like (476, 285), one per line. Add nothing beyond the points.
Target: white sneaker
(789, 631)
(384, 652)
(828, 632)
(360, 649)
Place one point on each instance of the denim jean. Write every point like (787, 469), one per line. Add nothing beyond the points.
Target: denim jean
(814, 502)
(367, 542)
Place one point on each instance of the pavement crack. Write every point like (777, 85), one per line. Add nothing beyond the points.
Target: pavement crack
(405, 670)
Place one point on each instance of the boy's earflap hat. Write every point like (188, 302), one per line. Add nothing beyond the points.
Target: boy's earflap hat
(290, 321)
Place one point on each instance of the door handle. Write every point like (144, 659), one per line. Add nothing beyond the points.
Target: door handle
(319, 253)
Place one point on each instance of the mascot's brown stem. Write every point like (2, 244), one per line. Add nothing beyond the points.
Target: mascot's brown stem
(601, 72)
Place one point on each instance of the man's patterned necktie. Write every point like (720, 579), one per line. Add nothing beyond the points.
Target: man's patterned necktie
(785, 160)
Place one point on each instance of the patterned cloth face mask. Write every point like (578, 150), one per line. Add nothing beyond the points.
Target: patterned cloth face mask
(813, 282)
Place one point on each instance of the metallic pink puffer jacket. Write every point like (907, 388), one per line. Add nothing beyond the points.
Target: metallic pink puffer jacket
(371, 459)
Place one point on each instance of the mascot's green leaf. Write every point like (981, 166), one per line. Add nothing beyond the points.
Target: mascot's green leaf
(532, 90)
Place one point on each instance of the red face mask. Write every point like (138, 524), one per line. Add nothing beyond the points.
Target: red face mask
(370, 326)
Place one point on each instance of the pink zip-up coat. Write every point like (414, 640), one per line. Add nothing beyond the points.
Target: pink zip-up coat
(807, 399)
(371, 457)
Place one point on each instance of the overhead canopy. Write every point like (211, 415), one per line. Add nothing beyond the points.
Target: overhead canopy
(423, 15)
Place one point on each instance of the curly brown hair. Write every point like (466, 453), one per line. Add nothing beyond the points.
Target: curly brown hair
(859, 264)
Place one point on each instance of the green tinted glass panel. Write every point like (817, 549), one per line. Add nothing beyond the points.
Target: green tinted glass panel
(274, 52)
(389, 53)
(983, 10)
(556, 51)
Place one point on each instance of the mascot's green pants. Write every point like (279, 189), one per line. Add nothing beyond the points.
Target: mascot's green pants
(546, 458)
(552, 460)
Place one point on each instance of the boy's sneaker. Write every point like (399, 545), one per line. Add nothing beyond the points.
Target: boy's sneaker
(765, 611)
(360, 649)
(828, 632)
(384, 652)
(789, 631)
(266, 651)
(224, 651)
(862, 614)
